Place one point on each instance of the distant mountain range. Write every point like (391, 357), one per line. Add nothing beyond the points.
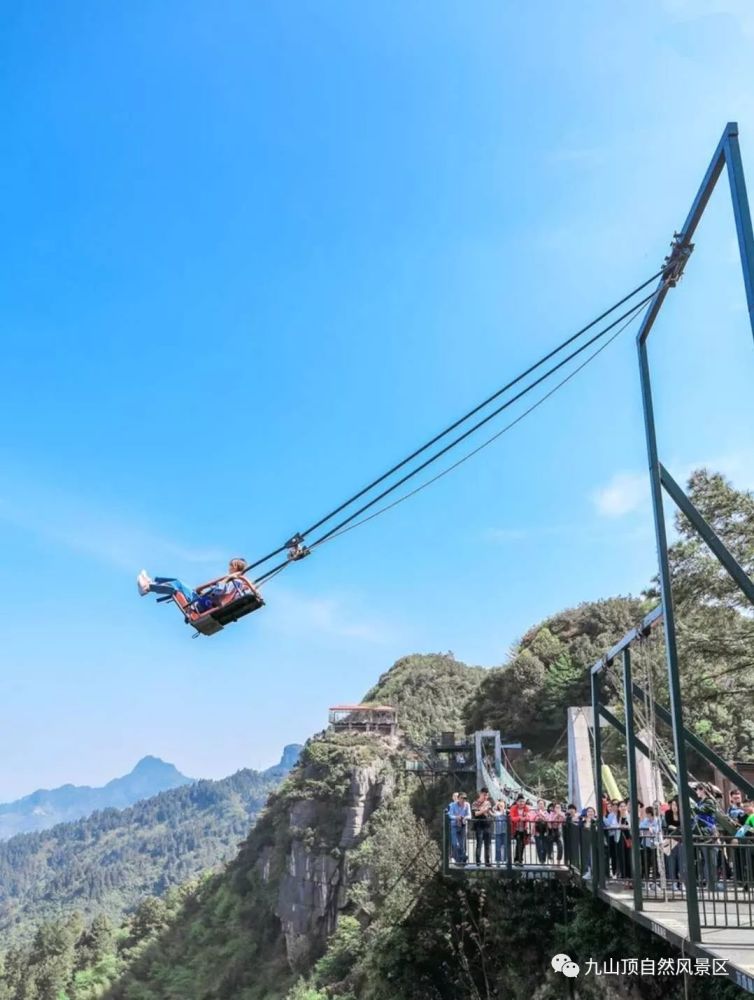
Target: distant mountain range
(106, 863)
(47, 807)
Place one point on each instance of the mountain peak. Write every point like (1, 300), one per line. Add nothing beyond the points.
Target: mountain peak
(291, 754)
(288, 761)
(47, 807)
(154, 765)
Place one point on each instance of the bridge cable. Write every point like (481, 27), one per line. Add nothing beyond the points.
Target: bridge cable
(665, 761)
(457, 423)
(495, 436)
(631, 314)
(347, 524)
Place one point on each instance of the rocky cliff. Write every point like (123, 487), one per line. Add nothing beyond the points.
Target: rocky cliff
(313, 888)
(338, 829)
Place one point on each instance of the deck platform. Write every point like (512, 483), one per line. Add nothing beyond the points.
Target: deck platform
(529, 872)
(667, 919)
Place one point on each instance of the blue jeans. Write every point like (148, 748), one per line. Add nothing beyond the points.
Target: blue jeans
(501, 845)
(169, 585)
(458, 842)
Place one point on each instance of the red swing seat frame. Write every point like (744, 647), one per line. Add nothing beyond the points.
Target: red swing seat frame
(230, 609)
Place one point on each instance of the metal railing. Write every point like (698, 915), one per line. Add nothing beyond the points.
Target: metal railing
(723, 871)
(726, 882)
(500, 844)
(723, 866)
(452, 740)
(719, 893)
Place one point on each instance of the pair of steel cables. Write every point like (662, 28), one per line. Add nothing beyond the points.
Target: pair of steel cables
(298, 546)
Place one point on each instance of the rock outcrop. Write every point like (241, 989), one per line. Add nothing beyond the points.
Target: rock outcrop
(313, 887)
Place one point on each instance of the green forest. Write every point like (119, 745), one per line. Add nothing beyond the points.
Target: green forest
(106, 864)
(337, 890)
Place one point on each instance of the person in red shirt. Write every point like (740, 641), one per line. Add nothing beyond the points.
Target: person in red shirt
(520, 819)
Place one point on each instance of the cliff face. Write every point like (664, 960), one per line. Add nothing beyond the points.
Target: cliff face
(288, 760)
(313, 888)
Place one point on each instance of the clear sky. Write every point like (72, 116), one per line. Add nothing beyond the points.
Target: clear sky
(252, 253)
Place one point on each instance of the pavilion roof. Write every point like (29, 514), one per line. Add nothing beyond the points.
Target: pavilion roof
(368, 707)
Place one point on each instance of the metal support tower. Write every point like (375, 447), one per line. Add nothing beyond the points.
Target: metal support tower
(727, 155)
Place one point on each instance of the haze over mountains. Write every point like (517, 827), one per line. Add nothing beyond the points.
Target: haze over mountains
(47, 807)
(288, 760)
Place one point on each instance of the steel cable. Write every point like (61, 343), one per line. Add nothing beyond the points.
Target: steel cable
(347, 524)
(461, 420)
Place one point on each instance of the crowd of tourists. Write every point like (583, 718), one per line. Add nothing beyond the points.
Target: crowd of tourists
(518, 830)
(499, 827)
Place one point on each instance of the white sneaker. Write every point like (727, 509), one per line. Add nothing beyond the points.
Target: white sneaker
(143, 582)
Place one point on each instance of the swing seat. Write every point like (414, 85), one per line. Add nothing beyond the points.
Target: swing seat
(230, 609)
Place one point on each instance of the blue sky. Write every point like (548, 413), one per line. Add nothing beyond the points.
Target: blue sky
(254, 253)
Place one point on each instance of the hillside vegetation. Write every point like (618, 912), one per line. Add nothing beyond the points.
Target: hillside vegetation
(106, 864)
(427, 707)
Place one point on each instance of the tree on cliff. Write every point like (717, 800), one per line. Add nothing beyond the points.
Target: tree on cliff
(548, 671)
(430, 691)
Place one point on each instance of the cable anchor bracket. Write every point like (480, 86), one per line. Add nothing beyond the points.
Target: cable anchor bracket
(296, 548)
(676, 260)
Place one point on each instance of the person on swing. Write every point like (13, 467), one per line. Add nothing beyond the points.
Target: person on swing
(206, 597)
